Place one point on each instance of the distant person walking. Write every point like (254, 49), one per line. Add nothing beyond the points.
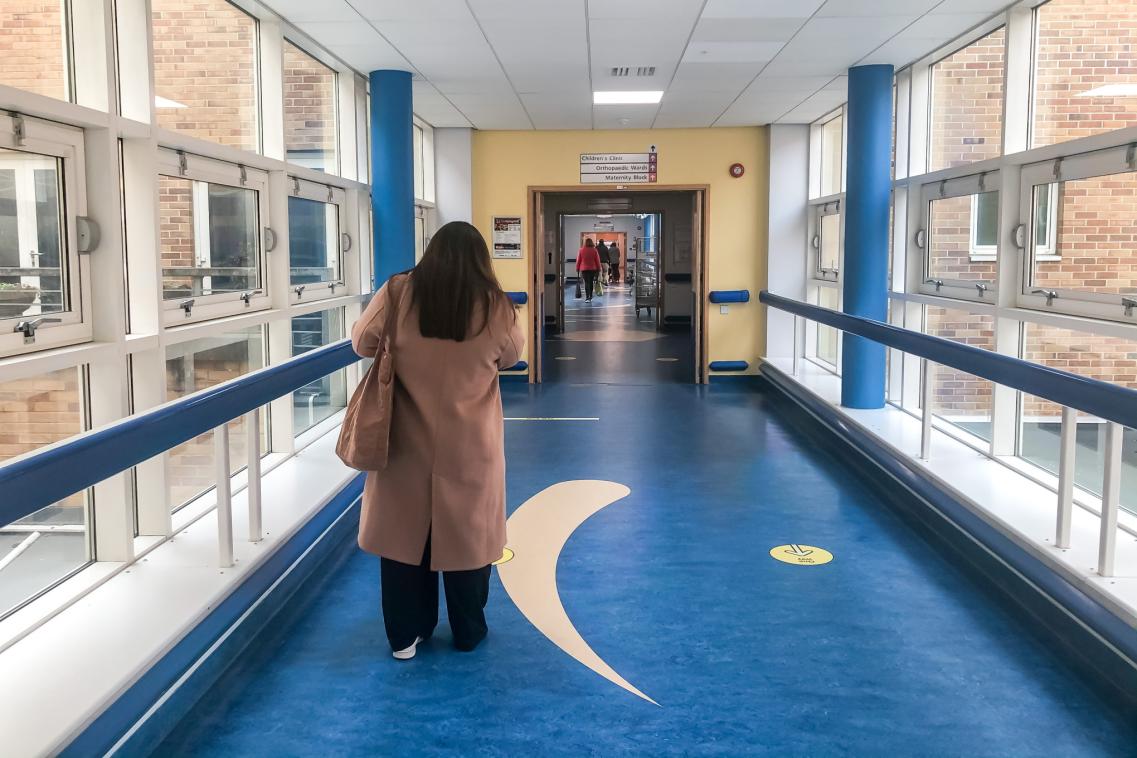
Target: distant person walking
(439, 505)
(588, 266)
(605, 260)
(614, 265)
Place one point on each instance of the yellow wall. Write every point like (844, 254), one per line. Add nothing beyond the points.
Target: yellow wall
(506, 164)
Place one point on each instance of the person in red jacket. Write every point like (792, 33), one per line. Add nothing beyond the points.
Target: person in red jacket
(588, 266)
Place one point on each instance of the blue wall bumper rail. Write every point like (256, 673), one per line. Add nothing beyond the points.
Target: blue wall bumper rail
(1108, 401)
(518, 298)
(722, 297)
(729, 365)
(519, 366)
(39, 479)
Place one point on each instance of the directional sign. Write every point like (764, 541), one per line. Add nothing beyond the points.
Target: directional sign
(801, 555)
(619, 168)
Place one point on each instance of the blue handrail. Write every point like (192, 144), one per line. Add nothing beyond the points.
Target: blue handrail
(722, 297)
(34, 481)
(1102, 399)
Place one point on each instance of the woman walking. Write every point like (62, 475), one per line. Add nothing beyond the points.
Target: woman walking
(588, 266)
(614, 265)
(439, 505)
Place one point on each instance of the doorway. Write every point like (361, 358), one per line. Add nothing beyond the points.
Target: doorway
(648, 325)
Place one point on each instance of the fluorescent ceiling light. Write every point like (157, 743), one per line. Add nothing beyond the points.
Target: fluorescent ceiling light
(1111, 90)
(632, 97)
(165, 102)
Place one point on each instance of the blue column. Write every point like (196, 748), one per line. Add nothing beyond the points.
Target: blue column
(392, 174)
(865, 270)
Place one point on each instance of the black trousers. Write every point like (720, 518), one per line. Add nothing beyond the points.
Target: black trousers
(589, 282)
(615, 275)
(410, 602)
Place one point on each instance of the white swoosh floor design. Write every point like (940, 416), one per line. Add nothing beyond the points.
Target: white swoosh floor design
(537, 531)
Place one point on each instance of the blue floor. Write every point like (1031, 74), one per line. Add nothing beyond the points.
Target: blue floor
(888, 650)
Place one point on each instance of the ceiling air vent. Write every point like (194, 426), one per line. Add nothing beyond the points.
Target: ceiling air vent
(625, 71)
(610, 204)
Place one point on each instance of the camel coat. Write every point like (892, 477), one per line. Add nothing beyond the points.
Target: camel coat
(445, 474)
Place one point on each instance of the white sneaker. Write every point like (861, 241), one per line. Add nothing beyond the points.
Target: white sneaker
(408, 652)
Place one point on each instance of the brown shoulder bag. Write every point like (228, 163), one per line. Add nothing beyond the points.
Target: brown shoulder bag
(366, 432)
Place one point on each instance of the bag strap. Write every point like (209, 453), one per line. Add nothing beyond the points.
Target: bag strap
(395, 302)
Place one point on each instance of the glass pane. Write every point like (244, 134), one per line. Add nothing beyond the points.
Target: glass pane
(48, 545)
(418, 162)
(958, 397)
(1096, 245)
(33, 271)
(1100, 357)
(955, 228)
(1083, 82)
(827, 336)
(193, 366)
(832, 134)
(322, 398)
(967, 104)
(33, 47)
(309, 110)
(420, 238)
(208, 237)
(313, 241)
(205, 71)
(830, 257)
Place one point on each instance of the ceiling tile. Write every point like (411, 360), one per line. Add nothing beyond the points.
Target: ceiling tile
(760, 8)
(731, 52)
(305, 10)
(643, 9)
(876, 8)
(745, 29)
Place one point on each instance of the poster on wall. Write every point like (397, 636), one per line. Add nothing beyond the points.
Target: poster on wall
(506, 237)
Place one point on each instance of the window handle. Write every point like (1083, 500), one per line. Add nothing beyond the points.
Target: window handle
(981, 287)
(1129, 304)
(334, 285)
(1050, 295)
(248, 296)
(938, 282)
(187, 306)
(299, 291)
(28, 328)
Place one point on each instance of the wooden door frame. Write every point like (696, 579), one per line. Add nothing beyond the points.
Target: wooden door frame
(699, 273)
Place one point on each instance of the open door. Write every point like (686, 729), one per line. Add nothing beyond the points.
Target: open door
(697, 272)
(537, 290)
(559, 249)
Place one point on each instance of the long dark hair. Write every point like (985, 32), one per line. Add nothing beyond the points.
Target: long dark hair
(454, 285)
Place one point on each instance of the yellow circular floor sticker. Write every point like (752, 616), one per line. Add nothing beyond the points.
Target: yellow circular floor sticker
(801, 555)
(506, 557)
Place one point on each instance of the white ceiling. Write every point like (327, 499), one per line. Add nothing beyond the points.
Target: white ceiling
(533, 64)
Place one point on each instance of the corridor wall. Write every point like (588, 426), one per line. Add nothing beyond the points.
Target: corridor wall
(507, 163)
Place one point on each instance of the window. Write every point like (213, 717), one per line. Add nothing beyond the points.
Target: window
(50, 544)
(326, 396)
(42, 275)
(205, 71)
(210, 223)
(196, 365)
(423, 149)
(827, 337)
(959, 398)
(1098, 356)
(314, 240)
(1082, 82)
(309, 111)
(33, 40)
(832, 155)
(828, 240)
(420, 236)
(961, 237)
(967, 104)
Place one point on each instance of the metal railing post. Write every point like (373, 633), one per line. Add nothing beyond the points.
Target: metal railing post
(1066, 456)
(927, 377)
(1110, 499)
(224, 496)
(253, 470)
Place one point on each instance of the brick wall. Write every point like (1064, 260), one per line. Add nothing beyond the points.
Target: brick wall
(1097, 356)
(38, 411)
(31, 46)
(205, 59)
(175, 232)
(967, 104)
(309, 105)
(949, 238)
(956, 393)
(1082, 45)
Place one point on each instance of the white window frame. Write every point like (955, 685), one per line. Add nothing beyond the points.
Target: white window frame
(1098, 163)
(424, 168)
(971, 185)
(336, 169)
(207, 170)
(819, 212)
(56, 141)
(338, 242)
(978, 252)
(811, 334)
